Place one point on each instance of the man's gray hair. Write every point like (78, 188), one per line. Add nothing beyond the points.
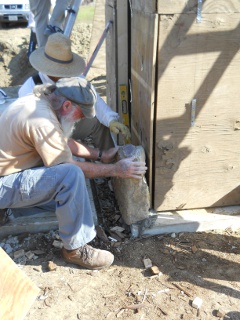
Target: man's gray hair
(44, 90)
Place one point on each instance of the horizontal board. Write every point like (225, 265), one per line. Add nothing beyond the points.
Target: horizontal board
(186, 6)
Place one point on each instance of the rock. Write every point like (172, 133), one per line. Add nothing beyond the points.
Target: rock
(57, 244)
(132, 195)
(147, 263)
(7, 248)
(52, 266)
(155, 270)
(197, 302)
(118, 229)
(18, 254)
(29, 255)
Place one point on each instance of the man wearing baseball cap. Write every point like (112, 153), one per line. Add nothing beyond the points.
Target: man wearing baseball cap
(37, 168)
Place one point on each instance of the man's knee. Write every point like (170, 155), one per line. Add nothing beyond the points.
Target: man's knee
(72, 172)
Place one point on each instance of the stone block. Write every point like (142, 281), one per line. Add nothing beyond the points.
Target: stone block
(132, 195)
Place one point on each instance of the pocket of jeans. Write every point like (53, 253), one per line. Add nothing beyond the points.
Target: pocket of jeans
(38, 183)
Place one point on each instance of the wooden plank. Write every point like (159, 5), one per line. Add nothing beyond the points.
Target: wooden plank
(197, 167)
(41, 222)
(17, 291)
(186, 6)
(149, 6)
(143, 59)
(111, 55)
(122, 56)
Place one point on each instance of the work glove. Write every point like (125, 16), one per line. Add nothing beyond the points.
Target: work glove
(118, 127)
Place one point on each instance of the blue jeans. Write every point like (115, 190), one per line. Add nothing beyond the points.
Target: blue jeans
(64, 185)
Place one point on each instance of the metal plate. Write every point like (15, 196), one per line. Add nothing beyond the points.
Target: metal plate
(13, 18)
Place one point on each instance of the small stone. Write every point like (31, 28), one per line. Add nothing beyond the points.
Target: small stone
(117, 228)
(7, 248)
(147, 263)
(57, 244)
(18, 254)
(194, 249)
(197, 302)
(52, 266)
(29, 255)
(173, 235)
(155, 270)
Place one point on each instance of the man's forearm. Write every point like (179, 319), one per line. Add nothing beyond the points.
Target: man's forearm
(95, 170)
(80, 150)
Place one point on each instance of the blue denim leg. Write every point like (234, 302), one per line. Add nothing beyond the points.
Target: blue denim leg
(65, 185)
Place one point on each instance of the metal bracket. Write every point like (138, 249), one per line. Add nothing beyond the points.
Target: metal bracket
(193, 112)
(199, 11)
(131, 10)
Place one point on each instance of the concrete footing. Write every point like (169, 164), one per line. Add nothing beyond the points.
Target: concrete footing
(188, 221)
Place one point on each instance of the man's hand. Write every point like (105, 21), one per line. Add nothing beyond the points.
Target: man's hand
(108, 156)
(116, 127)
(128, 168)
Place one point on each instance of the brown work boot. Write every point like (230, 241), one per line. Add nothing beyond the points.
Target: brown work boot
(89, 257)
(3, 217)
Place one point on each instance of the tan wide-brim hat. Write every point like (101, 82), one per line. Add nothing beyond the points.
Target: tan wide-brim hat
(56, 59)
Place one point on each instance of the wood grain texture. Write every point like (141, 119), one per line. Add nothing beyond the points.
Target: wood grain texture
(111, 59)
(186, 6)
(198, 166)
(17, 291)
(143, 62)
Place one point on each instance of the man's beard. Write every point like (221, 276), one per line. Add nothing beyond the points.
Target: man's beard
(67, 124)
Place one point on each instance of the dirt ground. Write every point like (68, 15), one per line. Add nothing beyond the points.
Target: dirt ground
(190, 265)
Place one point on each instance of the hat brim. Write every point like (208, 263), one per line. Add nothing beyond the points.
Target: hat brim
(56, 69)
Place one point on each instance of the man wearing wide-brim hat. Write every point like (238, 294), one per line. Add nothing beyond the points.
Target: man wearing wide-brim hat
(56, 60)
(37, 168)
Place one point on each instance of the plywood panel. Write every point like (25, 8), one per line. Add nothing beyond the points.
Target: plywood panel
(186, 6)
(198, 166)
(143, 64)
(17, 291)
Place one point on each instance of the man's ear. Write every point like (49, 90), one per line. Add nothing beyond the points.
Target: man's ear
(66, 107)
